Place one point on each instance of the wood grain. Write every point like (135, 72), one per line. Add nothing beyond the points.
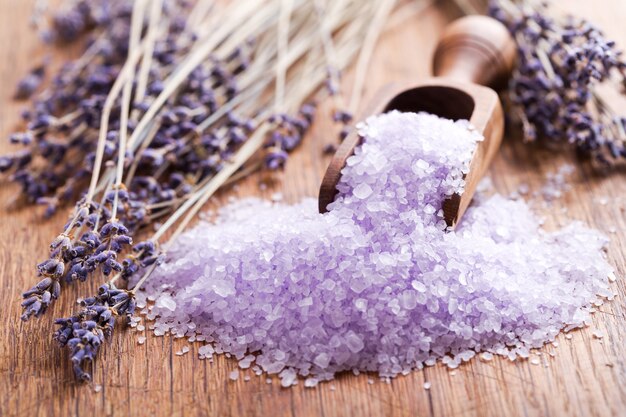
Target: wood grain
(586, 377)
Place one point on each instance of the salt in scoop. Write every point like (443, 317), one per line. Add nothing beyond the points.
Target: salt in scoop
(473, 54)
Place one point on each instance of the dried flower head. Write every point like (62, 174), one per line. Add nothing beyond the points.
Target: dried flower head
(560, 64)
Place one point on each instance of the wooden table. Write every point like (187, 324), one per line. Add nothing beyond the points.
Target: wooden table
(586, 377)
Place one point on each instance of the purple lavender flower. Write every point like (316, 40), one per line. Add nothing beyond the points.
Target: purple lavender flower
(39, 297)
(559, 64)
(287, 134)
(29, 84)
(84, 333)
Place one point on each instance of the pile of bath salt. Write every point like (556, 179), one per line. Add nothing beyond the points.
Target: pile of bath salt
(377, 283)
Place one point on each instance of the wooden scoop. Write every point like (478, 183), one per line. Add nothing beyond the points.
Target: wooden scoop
(474, 51)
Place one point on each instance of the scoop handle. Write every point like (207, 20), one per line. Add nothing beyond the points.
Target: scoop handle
(476, 49)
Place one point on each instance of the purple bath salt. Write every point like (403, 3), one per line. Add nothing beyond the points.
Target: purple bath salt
(377, 283)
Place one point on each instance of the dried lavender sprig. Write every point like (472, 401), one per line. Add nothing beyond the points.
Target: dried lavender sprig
(29, 84)
(560, 64)
(333, 80)
(85, 332)
(97, 247)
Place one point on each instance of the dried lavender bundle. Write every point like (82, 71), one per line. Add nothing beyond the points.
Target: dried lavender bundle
(167, 103)
(561, 61)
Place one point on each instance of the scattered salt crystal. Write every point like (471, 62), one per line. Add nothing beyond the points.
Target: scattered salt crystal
(185, 349)
(535, 361)
(205, 351)
(523, 189)
(234, 375)
(377, 283)
(245, 362)
(370, 381)
(427, 385)
(246, 378)
(310, 382)
(141, 328)
(277, 197)
(597, 334)
(486, 356)
(97, 388)
(141, 340)
(288, 377)
(556, 183)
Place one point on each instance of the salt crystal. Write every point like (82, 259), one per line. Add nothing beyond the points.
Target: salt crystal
(288, 377)
(322, 360)
(310, 382)
(234, 375)
(378, 283)
(245, 362)
(141, 340)
(354, 342)
(362, 191)
(523, 189)
(165, 301)
(427, 385)
(556, 183)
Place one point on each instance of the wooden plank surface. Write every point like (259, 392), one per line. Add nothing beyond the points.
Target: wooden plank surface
(586, 377)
